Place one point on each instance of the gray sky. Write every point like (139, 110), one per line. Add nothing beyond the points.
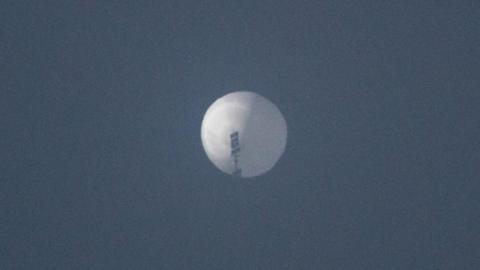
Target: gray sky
(101, 165)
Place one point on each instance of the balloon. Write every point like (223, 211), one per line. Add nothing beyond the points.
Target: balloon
(244, 134)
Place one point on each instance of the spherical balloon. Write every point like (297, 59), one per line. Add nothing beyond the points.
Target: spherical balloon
(244, 134)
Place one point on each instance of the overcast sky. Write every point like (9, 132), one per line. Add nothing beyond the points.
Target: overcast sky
(101, 163)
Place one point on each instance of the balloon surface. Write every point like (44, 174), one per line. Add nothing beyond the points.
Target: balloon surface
(244, 134)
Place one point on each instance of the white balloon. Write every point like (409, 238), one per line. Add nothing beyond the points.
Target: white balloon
(244, 134)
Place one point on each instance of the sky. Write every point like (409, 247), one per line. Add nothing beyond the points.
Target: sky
(102, 167)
